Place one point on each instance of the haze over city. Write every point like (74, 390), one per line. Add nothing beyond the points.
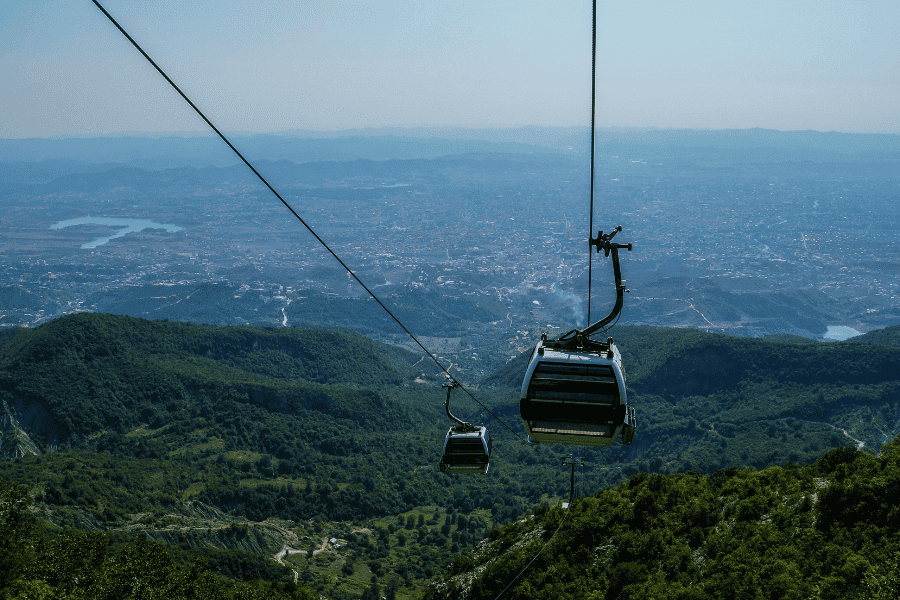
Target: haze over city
(340, 81)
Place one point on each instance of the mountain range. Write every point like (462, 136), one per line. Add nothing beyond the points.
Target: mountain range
(384, 144)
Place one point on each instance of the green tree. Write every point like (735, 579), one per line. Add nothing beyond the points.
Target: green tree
(16, 529)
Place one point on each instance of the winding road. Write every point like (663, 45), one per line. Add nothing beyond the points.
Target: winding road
(279, 556)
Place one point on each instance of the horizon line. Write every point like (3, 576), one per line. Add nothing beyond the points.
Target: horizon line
(298, 132)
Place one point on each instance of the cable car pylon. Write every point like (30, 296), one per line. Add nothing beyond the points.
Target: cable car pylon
(574, 461)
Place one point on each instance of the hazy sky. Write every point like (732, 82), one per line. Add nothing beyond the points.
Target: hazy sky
(332, 65)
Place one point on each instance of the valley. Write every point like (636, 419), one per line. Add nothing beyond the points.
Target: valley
(233, 443)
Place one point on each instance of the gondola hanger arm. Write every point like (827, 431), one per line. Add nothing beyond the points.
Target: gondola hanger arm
(609, 247)
(450, 384)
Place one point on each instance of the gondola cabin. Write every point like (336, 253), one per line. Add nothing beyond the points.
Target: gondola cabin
(576, 396)
(466, 450)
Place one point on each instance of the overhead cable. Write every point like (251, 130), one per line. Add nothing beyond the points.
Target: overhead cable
(299, 218)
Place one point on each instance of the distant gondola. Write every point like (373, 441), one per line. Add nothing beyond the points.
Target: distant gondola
(467, 447)
(466, 450)
(573, 391)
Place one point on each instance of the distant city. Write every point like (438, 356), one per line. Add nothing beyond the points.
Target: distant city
(481, 251)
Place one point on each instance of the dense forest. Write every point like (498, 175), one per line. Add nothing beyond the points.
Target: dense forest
(228, 444)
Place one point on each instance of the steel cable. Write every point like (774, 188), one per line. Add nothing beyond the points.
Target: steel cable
(593, 127)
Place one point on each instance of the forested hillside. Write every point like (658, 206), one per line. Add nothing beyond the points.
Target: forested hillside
(229, 444)
(707, 401)
(239, 441)
(98, 372)
(826, 530)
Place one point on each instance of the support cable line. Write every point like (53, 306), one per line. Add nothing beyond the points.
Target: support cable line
(593, 128)
(299, 218)
(569, 460)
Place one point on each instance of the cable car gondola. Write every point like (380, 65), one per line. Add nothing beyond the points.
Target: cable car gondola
(467, 447)
(573, 391)
(466, 450)
(576, 395)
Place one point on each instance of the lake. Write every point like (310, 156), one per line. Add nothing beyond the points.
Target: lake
(127, 225)
(839, 333)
